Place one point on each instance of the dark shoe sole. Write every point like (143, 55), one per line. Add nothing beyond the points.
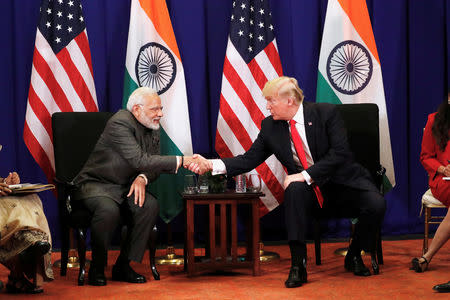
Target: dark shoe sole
(129, 281)
(117, 276)
(290, 285)
(363, 273)
(442, 291)
(96, 283)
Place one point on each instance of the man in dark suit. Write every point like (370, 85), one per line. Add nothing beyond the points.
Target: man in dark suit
(310, 141)
(125, 159)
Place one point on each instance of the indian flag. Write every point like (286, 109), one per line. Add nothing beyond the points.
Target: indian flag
(153, 60)
(350, 70)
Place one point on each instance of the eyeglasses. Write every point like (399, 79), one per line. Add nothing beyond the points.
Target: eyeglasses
(154, 109)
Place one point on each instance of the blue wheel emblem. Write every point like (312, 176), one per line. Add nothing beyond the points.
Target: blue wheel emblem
(155, 67)
(349, 67)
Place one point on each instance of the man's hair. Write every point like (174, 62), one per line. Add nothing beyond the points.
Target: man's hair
(283, 87)
(137, 97)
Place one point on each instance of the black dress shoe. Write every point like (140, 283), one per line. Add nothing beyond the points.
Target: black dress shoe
(355, 264)
(96, 276)
(127, 274)
(442, 288)
(297, 276)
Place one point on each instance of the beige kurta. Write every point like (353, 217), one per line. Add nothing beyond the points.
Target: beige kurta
(22, 223)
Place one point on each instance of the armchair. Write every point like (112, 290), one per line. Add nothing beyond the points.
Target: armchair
(361, 122)
(74, 137)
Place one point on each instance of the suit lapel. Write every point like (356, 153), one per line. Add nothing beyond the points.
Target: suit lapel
(310, 120)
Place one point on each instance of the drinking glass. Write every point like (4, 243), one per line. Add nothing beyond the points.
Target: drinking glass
(190, 184)
(203, 185)
(254, 183)
(240, 184)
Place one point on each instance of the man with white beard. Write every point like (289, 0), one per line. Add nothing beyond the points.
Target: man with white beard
(113, 182)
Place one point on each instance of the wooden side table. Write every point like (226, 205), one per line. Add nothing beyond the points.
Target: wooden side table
(220, 259)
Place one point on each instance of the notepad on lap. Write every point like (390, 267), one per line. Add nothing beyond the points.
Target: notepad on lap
(27, 188)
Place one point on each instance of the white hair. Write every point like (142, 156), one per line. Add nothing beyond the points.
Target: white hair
(137, 97)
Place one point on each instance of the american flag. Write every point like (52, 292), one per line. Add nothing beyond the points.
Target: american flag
(251, 60)
(61, 76)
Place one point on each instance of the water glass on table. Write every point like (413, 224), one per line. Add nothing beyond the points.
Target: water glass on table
(240, 184)
(190, 184)
(203, 184)
(254, 183)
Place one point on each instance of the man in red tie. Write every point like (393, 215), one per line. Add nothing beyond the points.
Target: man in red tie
(309, 139)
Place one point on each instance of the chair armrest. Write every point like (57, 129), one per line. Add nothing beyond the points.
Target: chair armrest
(65, 190)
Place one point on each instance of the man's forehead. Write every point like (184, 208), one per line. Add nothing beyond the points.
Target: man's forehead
(152, 99)
(272, 97)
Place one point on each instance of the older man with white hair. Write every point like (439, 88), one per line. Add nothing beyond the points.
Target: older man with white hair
(113, 182)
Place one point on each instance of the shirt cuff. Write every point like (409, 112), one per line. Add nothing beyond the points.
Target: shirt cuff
(308, 178)
(178, 164)
(145, 178)
(218, 167)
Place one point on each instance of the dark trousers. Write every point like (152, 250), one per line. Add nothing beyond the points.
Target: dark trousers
(339, 201)
(106, 215)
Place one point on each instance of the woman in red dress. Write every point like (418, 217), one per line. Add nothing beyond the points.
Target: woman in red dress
(435, 158)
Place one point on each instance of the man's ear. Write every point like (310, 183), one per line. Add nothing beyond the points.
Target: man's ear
(135, 110)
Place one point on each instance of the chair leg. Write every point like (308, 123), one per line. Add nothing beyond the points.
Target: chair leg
(38, 278)
(379, 248)
(65, 245)
(425, 236)
(81, 243)
(152, 250)
(317, 241)
(375, 266)
(375, 252)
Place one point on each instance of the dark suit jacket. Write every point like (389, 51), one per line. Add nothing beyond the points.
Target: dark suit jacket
(125, 149)
(327, 140)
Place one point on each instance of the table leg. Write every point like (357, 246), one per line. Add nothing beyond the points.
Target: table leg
(190, 257)
(234, 232)
(212, 232)
(255, 239)
(223, 232)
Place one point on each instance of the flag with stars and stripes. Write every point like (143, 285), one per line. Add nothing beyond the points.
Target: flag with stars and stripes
(251, 60)
(61, 76)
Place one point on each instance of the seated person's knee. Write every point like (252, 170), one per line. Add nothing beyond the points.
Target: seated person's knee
(297, 187)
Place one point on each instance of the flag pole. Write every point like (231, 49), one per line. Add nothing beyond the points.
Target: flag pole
(170, 258)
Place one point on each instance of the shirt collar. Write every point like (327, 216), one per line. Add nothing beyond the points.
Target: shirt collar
(299, 118)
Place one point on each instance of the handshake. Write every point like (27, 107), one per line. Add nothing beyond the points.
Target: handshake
(197, 164)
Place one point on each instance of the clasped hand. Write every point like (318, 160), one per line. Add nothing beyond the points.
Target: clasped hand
(446, 170)
(197, 164)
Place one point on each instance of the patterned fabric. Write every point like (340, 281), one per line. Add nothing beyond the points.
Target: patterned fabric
(23, 223)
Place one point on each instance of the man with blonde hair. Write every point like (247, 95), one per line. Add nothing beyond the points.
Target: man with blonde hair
(310, 141)
(114, 181)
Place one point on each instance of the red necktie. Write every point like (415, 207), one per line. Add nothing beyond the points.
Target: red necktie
(302, 157)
